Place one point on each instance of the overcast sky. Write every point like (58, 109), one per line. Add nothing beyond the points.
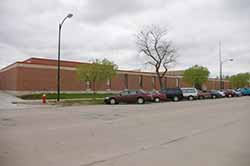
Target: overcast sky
(107, 28)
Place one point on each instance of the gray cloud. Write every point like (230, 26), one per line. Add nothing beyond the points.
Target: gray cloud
(101, 29)
(98, 11)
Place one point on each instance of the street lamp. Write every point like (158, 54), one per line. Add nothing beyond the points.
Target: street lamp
(58, 61)
(221, 63)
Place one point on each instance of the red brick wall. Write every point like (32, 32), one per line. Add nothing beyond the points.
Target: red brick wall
(148, 83)
(35, 79)
(45, 79)
(170, 82)
(184, 84)
(157, 83)
(1, 86)
(133, 82)
(8, 79)
(227, 85)
(216, 84)
(118, 82)
(209, 85)
(102, 86)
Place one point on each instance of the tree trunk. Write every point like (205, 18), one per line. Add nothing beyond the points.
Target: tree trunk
(161, 83)
(159, 79)
(94, 91)
(198, 86)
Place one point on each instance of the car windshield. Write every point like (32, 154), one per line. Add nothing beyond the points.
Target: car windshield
(124, 93)
(153, 92)
(133, 92)
(188, 90)
(141, 91)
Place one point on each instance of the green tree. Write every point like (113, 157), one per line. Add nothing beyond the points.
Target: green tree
(97, 71)
(196, 75)
(240, 80)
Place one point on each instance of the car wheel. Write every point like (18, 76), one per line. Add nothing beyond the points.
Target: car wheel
(190, 98)
(157, 99)
(140, 100)
(176, 98)
(112, 101)
(214, 96)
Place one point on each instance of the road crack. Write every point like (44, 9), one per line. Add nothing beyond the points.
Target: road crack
(171, 141)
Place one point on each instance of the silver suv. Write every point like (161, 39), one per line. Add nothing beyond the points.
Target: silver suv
(190, 93)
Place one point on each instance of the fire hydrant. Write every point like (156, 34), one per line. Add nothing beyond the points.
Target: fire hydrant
(44, 98)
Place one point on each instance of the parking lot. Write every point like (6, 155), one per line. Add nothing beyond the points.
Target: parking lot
(202, 132)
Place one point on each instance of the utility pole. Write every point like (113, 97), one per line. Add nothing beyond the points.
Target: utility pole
(220, 63)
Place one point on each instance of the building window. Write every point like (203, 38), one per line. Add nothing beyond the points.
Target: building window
(154, 82)
(177, 82)
(141, 81)
(88, 85)
(165, 82)
(126, 80)
(108, 84)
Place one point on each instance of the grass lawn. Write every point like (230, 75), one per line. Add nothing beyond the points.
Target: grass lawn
(81, 102)
(65, 96)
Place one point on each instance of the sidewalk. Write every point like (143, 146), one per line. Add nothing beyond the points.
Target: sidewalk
(51, 101)
(9, 101)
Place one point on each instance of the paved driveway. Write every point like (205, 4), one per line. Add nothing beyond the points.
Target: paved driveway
(197, 133)
(8, 102)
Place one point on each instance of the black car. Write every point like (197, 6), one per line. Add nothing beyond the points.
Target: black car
(174, 94)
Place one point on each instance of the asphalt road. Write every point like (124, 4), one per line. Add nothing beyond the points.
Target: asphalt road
(197, 133)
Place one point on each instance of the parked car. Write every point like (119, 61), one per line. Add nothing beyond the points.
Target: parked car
(190, 93)
(217, 94)
(157, 96)
(245, 91)
(229, 93)
(174, 94)
(222, 93)
(204, 94)
(129, 96)
(237, 92)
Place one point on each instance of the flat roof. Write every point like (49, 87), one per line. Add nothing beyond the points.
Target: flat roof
(73, 64)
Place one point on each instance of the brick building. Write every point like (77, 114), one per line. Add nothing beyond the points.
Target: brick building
(39, 75)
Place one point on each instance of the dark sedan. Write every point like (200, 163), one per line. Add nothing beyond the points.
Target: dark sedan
(174, 94)
(217, 94)
(129, 96)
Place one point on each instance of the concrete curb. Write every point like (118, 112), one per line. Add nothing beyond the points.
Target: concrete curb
(51, 101)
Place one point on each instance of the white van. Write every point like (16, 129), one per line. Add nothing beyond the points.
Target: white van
(190, 93)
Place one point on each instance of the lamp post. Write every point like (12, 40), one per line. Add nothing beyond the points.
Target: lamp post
(221, 63)
(58, 61)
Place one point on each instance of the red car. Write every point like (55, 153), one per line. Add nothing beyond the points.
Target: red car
(129, 96)
(230, 93)
(158, 96)
(204, 94)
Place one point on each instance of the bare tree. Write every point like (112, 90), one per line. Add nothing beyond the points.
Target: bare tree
(158, 51)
